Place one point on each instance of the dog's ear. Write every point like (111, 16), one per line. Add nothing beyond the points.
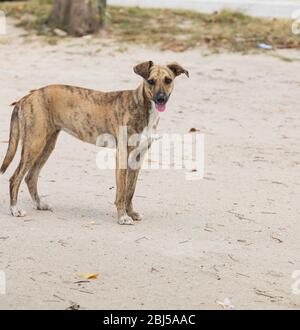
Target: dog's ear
(177, 69)
(143, 69)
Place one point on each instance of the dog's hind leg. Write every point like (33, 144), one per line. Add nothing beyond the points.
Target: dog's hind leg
(34, 132)
(33, 173)
(28, 157)
(15, 182)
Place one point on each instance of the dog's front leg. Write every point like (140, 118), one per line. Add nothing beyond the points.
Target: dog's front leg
(121, 181)
(132, 176)
(135, 161)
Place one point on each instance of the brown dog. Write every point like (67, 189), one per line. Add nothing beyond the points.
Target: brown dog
(86, 114)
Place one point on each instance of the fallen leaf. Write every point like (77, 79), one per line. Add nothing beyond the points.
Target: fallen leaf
(88, 276)
(193, 129)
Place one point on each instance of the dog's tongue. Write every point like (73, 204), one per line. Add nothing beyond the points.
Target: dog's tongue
(160, 107)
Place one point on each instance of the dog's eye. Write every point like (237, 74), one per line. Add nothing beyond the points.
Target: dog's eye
(151, 82)
(168, 81)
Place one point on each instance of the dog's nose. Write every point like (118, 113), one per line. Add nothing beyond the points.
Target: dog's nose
(161, 98)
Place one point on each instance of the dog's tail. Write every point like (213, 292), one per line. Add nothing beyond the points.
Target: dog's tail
(13, 139)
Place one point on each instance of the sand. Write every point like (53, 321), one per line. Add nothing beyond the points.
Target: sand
(234, 234)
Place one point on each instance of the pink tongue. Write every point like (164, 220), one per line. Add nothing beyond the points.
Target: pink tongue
(160, 107)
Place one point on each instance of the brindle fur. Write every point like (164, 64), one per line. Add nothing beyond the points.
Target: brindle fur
(38, 118)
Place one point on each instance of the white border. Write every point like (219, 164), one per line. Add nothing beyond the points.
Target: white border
(263, 8)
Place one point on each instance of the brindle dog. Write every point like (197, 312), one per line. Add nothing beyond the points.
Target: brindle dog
(38, 118)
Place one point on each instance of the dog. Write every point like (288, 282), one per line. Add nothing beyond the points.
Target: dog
(39, 117)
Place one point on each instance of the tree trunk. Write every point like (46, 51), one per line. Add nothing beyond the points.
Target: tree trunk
(78, 17)
(102, 11)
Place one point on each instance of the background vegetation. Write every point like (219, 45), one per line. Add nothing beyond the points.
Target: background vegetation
(175, 30)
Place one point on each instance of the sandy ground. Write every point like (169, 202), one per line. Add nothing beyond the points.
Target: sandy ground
(234, 234)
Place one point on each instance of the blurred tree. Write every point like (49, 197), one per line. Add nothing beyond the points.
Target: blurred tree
(78, 17)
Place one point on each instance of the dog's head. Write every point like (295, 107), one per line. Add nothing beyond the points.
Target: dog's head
(159, 81)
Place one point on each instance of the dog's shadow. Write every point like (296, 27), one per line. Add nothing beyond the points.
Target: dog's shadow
(64, 212)
(79, 213)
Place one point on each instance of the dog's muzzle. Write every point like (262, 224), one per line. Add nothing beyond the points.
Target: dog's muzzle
(160, 102)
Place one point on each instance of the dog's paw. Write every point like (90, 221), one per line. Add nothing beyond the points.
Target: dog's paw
(44, 207)
(125, 220)
(135, 216)
(16, 212)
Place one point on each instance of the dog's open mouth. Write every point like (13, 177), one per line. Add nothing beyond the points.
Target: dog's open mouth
(160, 107)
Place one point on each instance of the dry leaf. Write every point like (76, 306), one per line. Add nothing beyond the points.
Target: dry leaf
(193, 129)
(88, 276)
